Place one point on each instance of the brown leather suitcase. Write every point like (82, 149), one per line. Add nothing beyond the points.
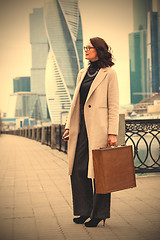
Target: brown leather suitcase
(114, 169)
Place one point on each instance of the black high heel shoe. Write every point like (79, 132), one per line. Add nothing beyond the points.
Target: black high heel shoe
(80, 220)
(94, 222)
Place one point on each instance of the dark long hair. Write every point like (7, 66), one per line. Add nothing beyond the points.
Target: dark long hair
(104, 55)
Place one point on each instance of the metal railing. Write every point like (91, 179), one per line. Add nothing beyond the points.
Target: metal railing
(48, 136)
(60, 144)
(143, 135)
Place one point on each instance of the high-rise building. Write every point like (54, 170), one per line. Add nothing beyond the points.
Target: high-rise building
(22, 102)
(138, 65)
(155, 58)
(39, 44)
(65, 57)
(21, 84)
(159, 39)
(144, 51)
(158, 7)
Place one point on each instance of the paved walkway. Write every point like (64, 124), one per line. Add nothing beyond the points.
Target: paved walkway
(35, 199)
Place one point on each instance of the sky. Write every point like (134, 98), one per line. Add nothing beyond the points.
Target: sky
(109, 19)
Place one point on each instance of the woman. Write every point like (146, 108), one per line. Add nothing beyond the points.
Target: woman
(92, 123)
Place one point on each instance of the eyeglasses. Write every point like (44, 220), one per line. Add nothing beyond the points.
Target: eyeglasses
(88, 48)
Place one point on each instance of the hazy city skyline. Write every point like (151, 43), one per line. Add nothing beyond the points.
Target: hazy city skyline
(111, 20)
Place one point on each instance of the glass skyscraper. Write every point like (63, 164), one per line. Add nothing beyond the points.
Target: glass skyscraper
(138, 65)
(39, 44)
(144, 51)
(65, 57)
(22, 102)
(21, 84)
(159, 39)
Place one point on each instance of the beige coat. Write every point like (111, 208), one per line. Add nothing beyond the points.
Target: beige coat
(101, 111)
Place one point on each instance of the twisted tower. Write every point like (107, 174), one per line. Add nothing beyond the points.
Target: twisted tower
(65, 56)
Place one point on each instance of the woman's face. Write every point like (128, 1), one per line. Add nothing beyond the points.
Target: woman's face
(90, 54)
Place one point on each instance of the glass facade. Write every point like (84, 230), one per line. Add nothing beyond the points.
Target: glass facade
(39, 43)
(154, 52)
(158, 2)
(138, 64)
(144, 49)
(140, 11)
(65, 57)
(25, 104)
(21, 84)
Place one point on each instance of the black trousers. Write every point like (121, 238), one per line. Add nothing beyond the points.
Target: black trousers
(85, 200)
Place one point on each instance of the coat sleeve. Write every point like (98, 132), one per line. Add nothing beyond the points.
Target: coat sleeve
(113, 103)
(67, 125)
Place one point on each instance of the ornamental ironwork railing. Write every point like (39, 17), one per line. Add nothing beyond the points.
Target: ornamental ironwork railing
(144, 136)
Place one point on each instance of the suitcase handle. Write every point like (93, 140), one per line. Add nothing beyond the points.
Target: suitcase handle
(113, 146)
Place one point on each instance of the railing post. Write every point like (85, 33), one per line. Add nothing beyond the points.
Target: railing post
(29, 133)
(25, 132)
(60, 138)
(121, 133)
(35, 133)
(53, 136)
(47, 135)
(63, 143)
(38, 134)
(43, 135)
(32, 133)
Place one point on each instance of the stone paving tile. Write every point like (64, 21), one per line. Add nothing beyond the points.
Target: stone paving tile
(6, 202)
(36, 202)
(102, 232)
(6, 229)
(43, 212)
(23, 212)
(25, 228)
(6, 213)
(154, 218)
(49, 228)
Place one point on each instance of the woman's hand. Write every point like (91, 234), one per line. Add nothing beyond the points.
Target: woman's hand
(65, 136)
(112, 140)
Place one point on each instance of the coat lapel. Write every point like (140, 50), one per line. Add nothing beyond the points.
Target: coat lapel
(98, 79)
